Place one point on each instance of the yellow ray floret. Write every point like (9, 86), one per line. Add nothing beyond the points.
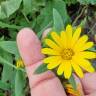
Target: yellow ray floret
(19, 63)
(68, 51)
(70, 91)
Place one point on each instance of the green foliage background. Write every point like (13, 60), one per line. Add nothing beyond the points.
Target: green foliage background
(17, 14)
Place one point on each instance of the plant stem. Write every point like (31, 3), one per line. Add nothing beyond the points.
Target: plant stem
(83, 9)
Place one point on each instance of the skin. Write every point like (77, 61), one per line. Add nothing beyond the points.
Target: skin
(47, 84)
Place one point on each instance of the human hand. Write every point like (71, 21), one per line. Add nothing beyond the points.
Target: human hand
(47, 84)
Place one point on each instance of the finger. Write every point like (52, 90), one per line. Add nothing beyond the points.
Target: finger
(89, 83)
(92, 94)
(45, 33)
(79, 86)
(30, 50)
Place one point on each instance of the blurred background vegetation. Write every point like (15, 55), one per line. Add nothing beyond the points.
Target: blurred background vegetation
(38, 15)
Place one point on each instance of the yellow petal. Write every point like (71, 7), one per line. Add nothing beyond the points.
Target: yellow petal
(17, 65)
(49, 51)
(69, 31)
(80, 43)
(53, 65)
(85, 64)
(76, 36)
(56, 38)
(69, 34)
(85, 54)
(67, 69)
(64, 39)
(52, 44)
(77, 69)
(86, 46)
(61, 69)
(51, 59)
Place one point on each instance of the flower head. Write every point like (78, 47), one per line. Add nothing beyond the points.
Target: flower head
(68, 51)
(19, 63)
(70, 91)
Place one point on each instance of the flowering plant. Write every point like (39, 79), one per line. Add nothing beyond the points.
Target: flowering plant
(68, 51)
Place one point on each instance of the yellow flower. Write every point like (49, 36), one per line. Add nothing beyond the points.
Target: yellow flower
(72, 91)
(19, 63)
(68, 51)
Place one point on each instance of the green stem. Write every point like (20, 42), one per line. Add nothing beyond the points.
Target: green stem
(3, 25)
(92, 28)
(79, 15)
(9, 64)
(25, 17)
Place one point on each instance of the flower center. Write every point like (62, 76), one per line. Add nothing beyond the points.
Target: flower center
(67, 54)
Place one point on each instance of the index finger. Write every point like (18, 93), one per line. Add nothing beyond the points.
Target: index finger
(30, 50)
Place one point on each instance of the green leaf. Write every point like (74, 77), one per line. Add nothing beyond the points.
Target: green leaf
(3, 60)
(12, 26)
(46, 15)
(27, 6)
(85, 2)
(60, 6)
(42, 68)
(72, 82)
(93, 49)
(83, 23)
(19, 83)
(8, 7)
(7, 70)
(32, 6)
(1, 94)
(11, 47)
(4, 85)
(58, 22)
(69, 2)
(2, 38)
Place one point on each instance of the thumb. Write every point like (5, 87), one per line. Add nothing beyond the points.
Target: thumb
(89, 83)
(30, 50)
